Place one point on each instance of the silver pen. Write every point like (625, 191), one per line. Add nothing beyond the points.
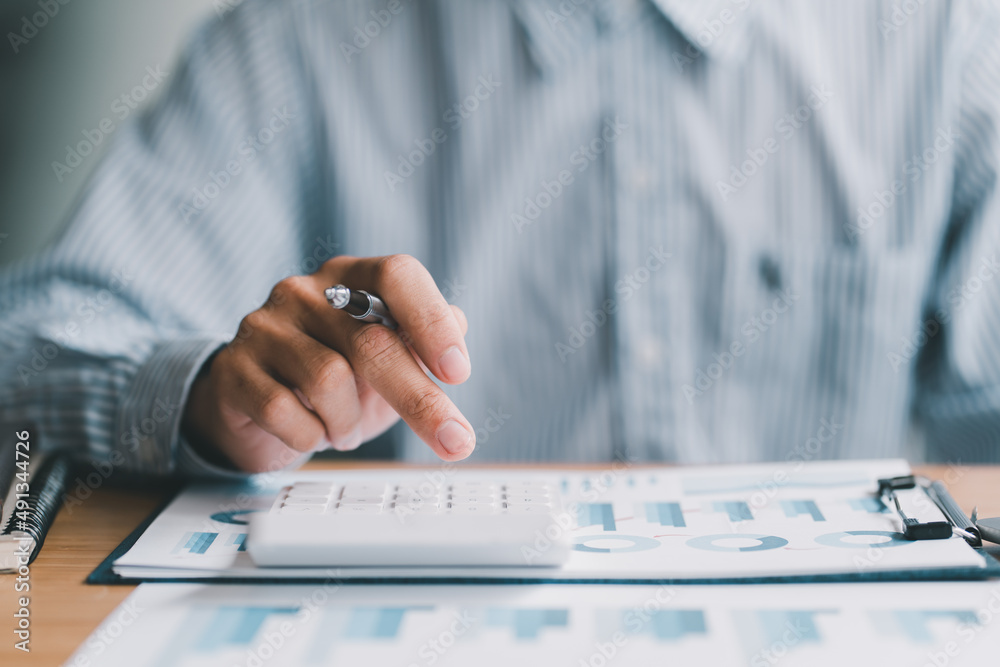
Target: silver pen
(360, 305)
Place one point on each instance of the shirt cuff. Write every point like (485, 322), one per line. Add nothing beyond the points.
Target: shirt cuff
(150, 414)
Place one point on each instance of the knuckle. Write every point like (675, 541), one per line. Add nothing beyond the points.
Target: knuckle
(290, 288)
(372, 343)
(393, 268)
(248, 325)
(432, 320)
(273, 408)
(330, 371)
(419, 405)
(253, 321)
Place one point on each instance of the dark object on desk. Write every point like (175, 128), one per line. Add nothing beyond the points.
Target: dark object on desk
(45, 496)
(989, 529)
(7, 468)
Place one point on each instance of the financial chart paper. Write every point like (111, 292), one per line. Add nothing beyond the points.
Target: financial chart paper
(626, 523)
(329, 623)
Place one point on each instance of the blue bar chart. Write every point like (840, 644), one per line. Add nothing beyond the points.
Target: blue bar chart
(794, 508)
(871, 504)
(596, 514)
(916, 624)
(664, 514)
(736, 510)
(526, 624)
(195, 543)
(235, 626)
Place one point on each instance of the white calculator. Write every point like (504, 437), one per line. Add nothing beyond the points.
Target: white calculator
(471, 523)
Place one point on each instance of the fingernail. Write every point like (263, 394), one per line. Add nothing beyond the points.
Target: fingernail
(454, 364)
(348, 442)
(454, 437)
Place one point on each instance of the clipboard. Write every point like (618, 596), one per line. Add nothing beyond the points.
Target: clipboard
(105, 574)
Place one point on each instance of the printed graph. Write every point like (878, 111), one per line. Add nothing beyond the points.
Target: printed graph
(527, 624)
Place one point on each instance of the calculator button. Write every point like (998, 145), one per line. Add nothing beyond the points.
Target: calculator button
(305, 500)
(353, 490)
(528, 499)
(413, 493)
(415, 501)
(527, 487)
(419, 489)
(463, 499)
(472, 508)
(362, 500)
(352, 508)
(420, 509)
(302, 509)
(310, 489)
(473, 488)
(415, 505)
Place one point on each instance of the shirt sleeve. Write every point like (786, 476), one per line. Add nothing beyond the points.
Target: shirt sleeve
(197, 209)
(958, 390)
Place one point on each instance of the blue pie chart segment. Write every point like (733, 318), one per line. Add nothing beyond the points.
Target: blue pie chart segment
(712, 542)
(630, 543)
(840, 539)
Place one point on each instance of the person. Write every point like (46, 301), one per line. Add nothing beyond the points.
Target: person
(658, 231)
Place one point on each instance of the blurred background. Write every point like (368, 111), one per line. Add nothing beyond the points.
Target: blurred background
(62, 68)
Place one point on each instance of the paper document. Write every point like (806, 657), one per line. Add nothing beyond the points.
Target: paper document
(813, 625)
(634, 523)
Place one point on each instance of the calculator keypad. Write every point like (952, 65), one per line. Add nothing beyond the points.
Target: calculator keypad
(467, 497)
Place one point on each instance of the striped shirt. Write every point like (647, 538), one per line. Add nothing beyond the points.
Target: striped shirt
(693, 232)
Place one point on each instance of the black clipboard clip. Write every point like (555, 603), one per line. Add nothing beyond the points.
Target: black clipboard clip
(973, 530)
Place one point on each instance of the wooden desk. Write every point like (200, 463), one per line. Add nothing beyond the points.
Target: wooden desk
(64, 610)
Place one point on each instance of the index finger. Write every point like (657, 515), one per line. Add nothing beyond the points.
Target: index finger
(381, 357)
(429, 323)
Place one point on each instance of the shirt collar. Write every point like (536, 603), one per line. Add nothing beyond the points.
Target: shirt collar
(558, 31)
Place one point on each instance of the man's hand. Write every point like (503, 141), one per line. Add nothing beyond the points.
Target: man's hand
(301, 376)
